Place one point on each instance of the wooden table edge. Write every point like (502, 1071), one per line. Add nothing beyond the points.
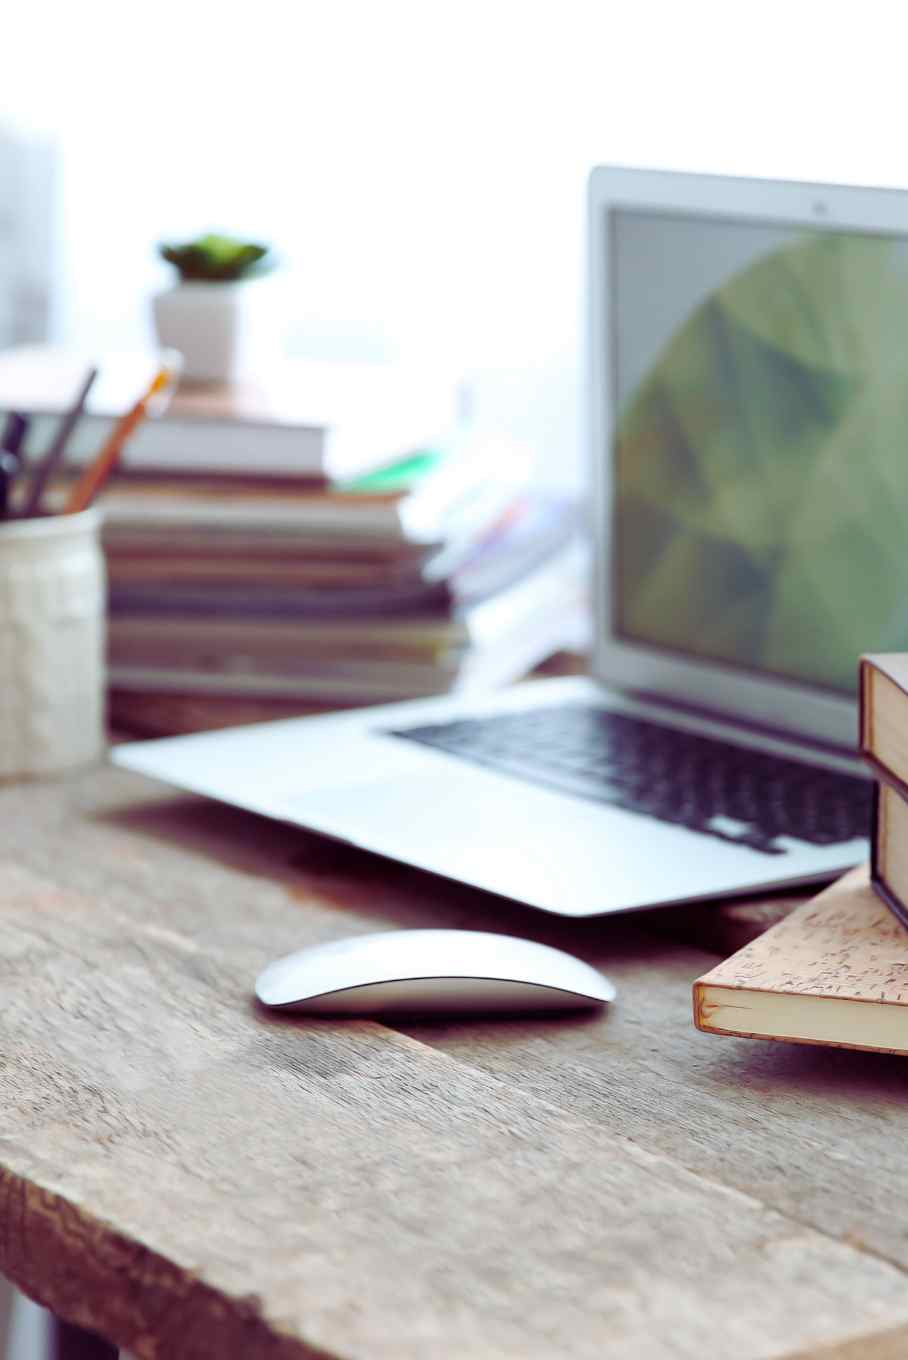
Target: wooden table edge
(87, 1252)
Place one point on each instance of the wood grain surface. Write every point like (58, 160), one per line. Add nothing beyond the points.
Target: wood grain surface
(881, 1346)
(191, 1177)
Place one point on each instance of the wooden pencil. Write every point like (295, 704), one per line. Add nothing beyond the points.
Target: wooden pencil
(99, 469)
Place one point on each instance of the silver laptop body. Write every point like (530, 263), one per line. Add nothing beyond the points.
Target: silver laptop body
(745, 419)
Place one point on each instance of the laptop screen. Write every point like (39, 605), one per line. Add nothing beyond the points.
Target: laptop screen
(760, 382)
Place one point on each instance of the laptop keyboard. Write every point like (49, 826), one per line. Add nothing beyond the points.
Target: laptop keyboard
(698, 782)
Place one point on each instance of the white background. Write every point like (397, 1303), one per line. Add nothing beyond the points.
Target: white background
(421, 163)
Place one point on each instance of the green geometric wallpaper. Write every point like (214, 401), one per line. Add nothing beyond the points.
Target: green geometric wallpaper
(762, 488)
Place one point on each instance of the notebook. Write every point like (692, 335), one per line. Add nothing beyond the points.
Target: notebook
(834, 972)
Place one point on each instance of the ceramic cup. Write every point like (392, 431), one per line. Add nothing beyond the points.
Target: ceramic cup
(52, 610)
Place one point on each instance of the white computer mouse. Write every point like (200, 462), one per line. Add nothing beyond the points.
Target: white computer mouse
(422, 971)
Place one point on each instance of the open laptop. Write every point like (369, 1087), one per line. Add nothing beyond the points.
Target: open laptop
(747, 417)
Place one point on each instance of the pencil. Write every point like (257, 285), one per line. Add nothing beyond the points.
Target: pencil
(98, 471)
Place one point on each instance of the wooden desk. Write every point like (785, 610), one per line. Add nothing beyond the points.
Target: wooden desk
(192, 1178)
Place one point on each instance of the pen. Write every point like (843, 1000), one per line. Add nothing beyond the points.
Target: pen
(98, 471)
(10, 457)
(54, 454)
(9, 466)
(14, 432)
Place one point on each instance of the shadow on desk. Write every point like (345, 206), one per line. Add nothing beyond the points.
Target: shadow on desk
(312, 867)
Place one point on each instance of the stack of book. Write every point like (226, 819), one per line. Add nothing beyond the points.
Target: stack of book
(331, 537)
(884, 744)
(355, 594)
(836, 970)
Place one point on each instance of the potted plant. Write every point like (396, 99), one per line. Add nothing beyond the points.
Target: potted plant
(216, 314)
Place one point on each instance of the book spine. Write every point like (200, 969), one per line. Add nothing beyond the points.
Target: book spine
(878, 881)
(357, 602)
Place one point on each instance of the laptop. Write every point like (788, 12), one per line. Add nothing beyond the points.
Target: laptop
(747, 414)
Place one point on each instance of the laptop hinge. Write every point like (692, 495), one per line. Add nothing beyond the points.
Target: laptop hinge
(732, 720)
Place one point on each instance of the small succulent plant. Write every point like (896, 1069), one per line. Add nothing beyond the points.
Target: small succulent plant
(217, 259)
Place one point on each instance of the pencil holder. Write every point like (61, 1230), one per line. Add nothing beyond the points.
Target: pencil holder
(52, 610)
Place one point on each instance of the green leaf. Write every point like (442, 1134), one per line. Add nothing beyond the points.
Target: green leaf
(217, 258)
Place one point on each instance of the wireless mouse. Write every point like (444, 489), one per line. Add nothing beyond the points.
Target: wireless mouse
(423, 971)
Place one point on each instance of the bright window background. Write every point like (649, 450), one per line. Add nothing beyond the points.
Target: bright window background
(421, 166)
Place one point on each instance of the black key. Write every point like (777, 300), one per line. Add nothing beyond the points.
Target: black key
(703, 783)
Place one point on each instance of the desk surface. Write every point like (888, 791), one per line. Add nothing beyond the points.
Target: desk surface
(196, 1179)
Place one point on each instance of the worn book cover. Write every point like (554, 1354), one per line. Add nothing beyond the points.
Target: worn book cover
(833, 972)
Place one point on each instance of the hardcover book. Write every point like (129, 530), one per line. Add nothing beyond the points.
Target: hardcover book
(884, 716)
(889, 853)
(833, 972)
(312, 420)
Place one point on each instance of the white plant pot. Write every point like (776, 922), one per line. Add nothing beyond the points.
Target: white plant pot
(224, 331)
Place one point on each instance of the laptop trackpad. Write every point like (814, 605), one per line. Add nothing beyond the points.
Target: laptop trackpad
(496, 833)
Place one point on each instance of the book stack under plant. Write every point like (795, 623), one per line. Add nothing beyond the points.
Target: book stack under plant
(884, 745)
(328, 535)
